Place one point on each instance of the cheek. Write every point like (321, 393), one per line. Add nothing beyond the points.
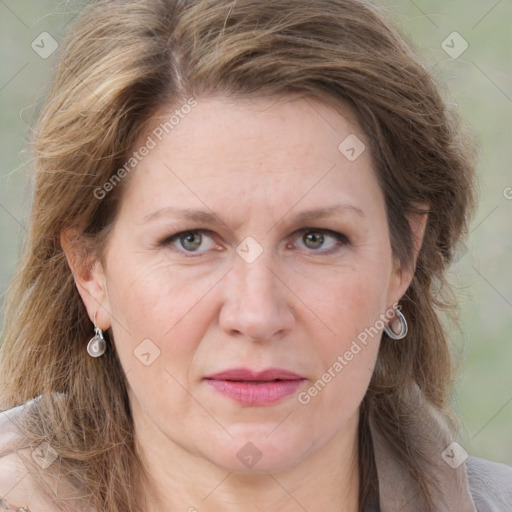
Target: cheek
(346, 354)
(157, 311)
(349, 300)
(355, 311)
(350, 307)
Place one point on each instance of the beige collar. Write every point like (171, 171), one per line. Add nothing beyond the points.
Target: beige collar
(448, 484)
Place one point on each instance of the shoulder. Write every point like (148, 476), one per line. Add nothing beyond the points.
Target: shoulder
(17, 487)
(10, 437)
(490, 484)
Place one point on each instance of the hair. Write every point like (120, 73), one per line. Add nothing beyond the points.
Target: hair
(121, 64)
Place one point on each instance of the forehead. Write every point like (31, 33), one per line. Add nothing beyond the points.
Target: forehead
(280, 122)
(275, 150)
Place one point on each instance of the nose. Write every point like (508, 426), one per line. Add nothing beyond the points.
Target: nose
(257, 303)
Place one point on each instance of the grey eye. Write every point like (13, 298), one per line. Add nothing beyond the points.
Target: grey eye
(313, 239)
(194, 242)
(322, 241)
(191, 241)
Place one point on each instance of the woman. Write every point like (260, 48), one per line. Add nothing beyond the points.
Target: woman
(243, 215)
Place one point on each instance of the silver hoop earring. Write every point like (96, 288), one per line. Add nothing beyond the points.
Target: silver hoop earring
(97, 345)
(403, 325)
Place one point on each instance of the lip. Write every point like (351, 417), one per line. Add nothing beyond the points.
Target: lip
(255, 388)
(250, 375)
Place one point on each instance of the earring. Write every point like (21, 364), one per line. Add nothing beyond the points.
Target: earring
(403, 330)
(97, 345)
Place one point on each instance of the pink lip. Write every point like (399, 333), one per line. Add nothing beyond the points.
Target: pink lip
(255, 388)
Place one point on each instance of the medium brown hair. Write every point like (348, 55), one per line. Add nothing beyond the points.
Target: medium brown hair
(125, 60)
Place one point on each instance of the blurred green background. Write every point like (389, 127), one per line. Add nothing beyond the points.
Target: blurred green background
(477, 79)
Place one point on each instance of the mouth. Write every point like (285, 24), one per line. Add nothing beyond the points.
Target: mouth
(255, 388)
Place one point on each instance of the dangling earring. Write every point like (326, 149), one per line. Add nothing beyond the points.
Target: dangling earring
(403, 330)
(97, 345)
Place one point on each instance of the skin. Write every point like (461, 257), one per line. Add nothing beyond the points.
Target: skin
(256, 164)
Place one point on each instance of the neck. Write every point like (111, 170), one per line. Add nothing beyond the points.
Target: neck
(327, 481)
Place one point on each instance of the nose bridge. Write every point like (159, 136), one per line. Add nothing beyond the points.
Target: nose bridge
(255, 301)
(257, 281)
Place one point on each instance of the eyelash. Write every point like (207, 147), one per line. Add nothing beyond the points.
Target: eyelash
(340, 237)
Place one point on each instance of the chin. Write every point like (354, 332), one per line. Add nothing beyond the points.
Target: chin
(254, 452)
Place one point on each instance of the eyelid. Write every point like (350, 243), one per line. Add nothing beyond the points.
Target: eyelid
(330, 232)
(168, 239)
(340, 237)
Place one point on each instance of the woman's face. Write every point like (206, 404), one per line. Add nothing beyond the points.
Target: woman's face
(284, 266)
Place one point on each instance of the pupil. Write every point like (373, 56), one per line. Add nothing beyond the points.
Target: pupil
(316, 238)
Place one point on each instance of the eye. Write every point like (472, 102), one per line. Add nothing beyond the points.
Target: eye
(315, 239)
(189, 241)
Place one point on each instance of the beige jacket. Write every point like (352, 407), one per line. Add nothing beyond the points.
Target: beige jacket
(462, 485)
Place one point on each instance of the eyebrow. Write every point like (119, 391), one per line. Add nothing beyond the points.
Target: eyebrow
(211, 218)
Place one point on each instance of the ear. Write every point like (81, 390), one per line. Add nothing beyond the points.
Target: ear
(403, 276)
(89, 277)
